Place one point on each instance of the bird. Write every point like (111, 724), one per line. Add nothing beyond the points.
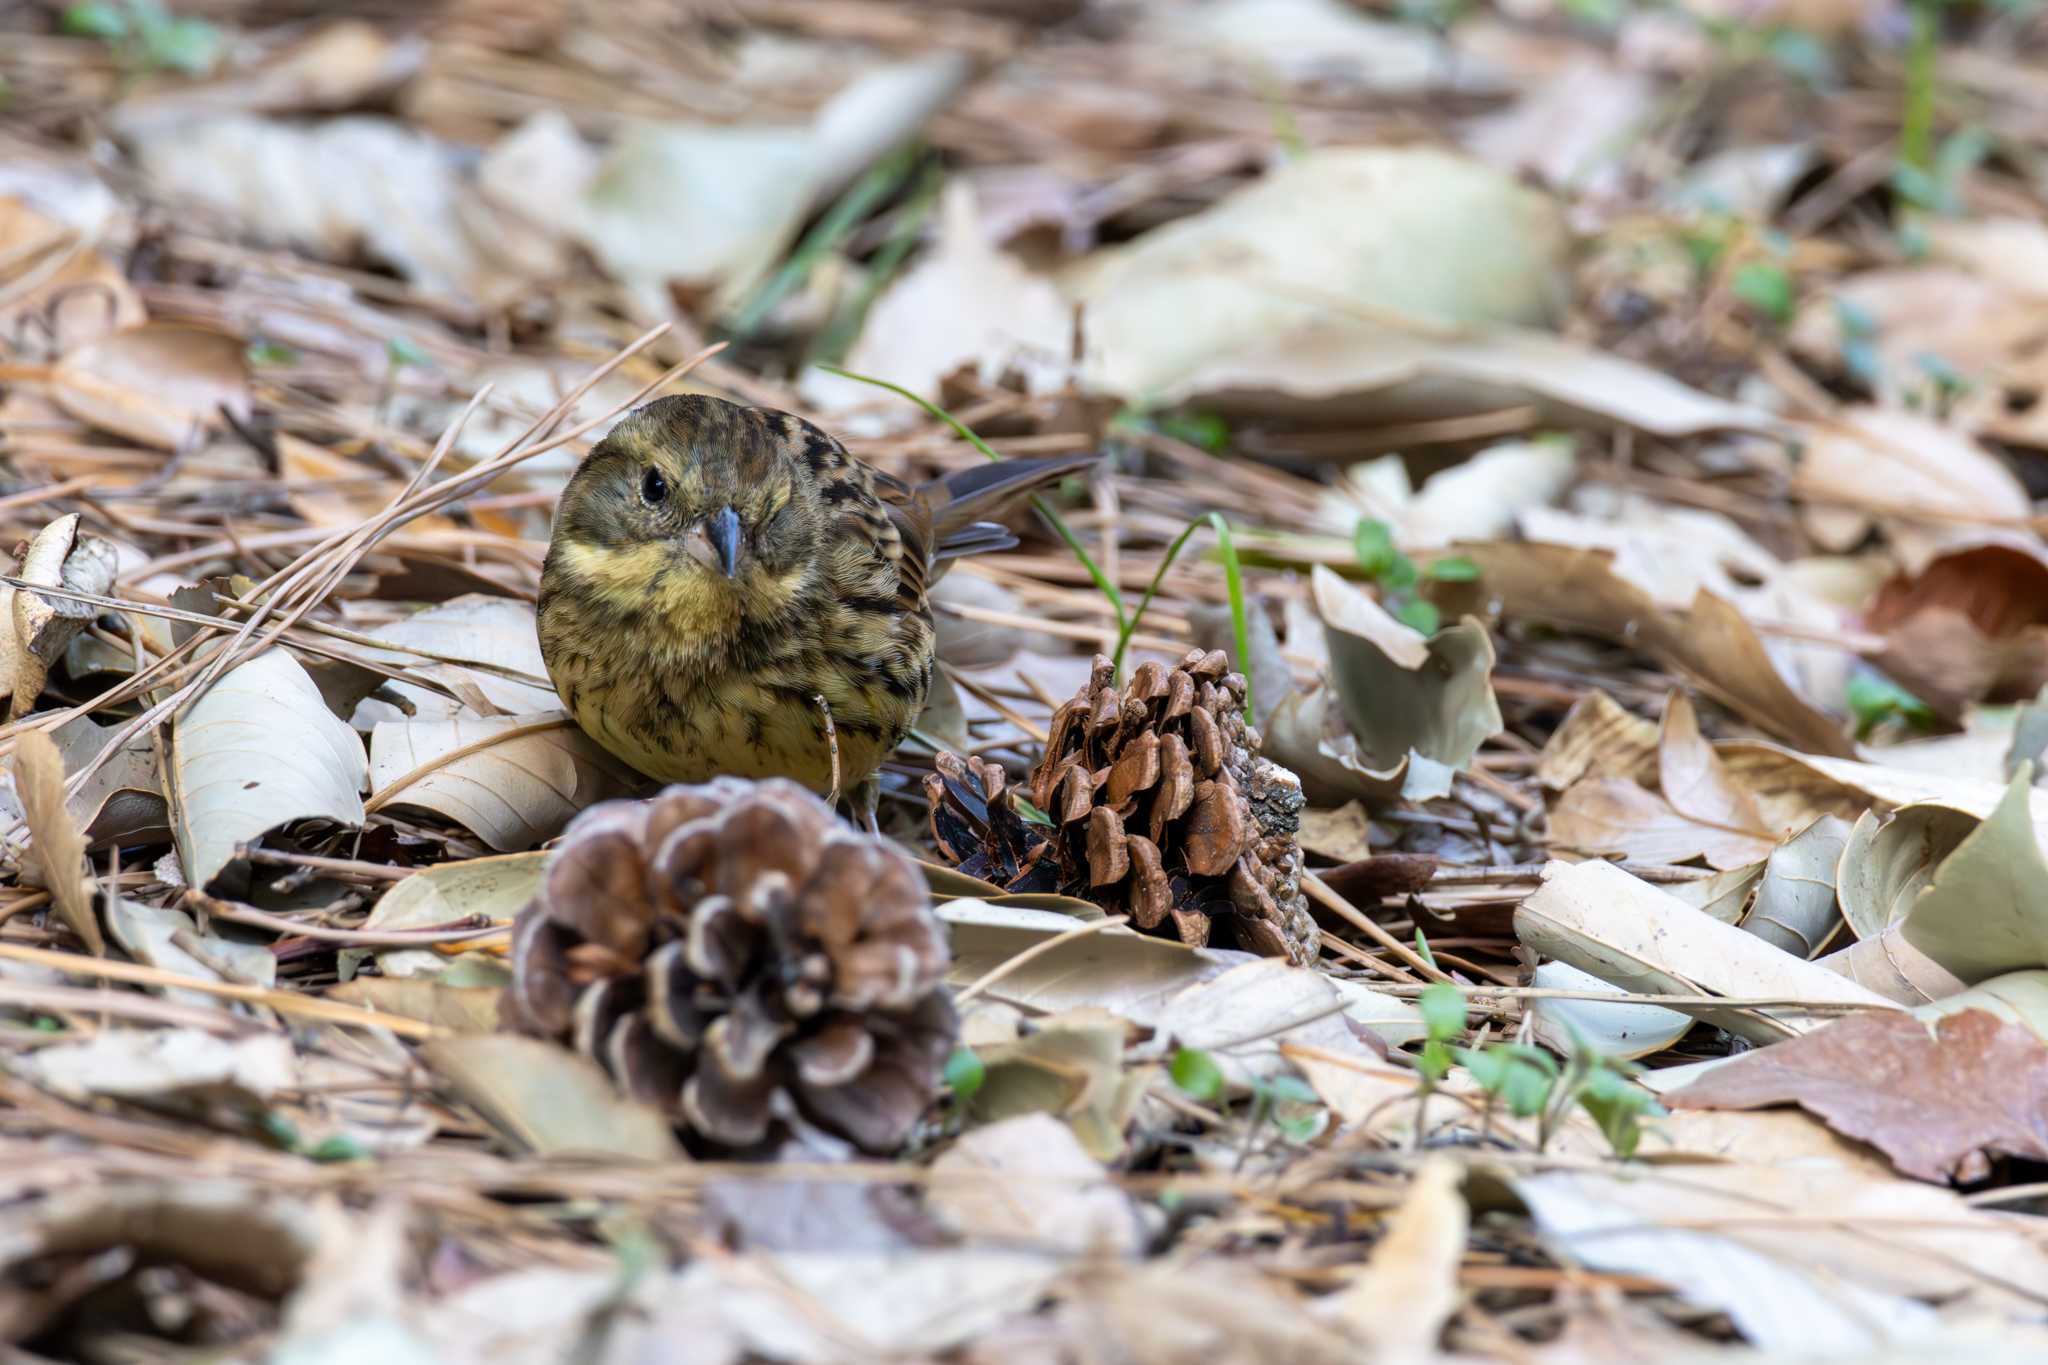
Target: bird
(728, 591)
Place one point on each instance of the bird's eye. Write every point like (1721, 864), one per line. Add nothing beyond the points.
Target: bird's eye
(653, 488)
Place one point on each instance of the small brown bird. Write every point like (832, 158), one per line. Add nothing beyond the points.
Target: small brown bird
(721, 576)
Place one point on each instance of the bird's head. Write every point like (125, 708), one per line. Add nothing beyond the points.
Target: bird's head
(707, 507)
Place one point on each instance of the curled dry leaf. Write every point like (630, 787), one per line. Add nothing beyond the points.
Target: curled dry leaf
(1984, 912)
(1711, 644)
(1795, 902)
(513, 781)
(259, 751)
(1599, 738)
(1601, 920)
(1415, 1264)
(163, 385)
(1938, 1102)
(60, 293)
(1886, 862)
(1427, 701)
(1970, 625)
(59, 846)
(35, 629)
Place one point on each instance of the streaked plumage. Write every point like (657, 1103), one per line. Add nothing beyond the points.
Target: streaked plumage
(716, 568)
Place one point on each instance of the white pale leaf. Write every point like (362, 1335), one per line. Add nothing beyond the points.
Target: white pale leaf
(259, 750)
(513, 781)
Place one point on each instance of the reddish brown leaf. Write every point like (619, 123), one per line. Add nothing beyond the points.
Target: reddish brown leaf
(1939, 1102)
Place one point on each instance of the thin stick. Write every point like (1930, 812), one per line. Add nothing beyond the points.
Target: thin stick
(1358, 919)
(831, 742)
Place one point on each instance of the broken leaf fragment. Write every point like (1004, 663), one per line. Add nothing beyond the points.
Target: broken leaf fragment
(36, 629)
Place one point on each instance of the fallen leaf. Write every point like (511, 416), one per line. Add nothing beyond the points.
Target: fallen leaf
(492, 889)
(1886, 862)
(1691, 777)
(1599, 737)
(169, 939)
(60, 848)
(1320, 42)
(1712, 644)
(1028, 1181)
(967, 305)
(513, 781)
(1427, 701)
(1415, 1265)
(260, 750)
(165, 1065)
(1939, 1102)
(548, 1101)
(35, 629)
(1969, 624)
(1616, 1029)
(458, 1009)
(160, 384)
(496, 633)
(1865, 460)
(1628, 933)
(61, 292)
(1801, 1258)
(1390, 231)
(1602, 815)
(1795, 902)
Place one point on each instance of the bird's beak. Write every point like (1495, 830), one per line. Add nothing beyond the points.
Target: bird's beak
(723, 528)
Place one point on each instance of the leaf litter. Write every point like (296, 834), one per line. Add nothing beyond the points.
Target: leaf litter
(1626, 422)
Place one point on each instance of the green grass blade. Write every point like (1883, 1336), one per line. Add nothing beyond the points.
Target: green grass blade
(1233, 575)
(1130, 627)
(838, 222)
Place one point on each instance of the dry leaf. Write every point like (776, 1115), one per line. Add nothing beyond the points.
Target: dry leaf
(1037, 1187)
(1599, 738)
(513, 781)
(159, 384)
(60, 293)
(547, 1100)
(259, 751)
(1407, 232)
(165, 1065)
(1939, 1102)
(1712, 644)
(1414, 1265)
(37, 629)
(60, 848)
(1628, 933)
(1602, 815)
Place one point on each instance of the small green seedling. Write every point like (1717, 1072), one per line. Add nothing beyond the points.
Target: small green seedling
(965, 1074)
(1397, 576)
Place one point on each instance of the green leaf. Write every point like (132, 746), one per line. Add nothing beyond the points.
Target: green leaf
(1455, 569)
(192, 46)
(1419, 615)
(340, 1147)
(402, 352)
(1032, 814)
(1302, 1127)
(1422, 947)
(1766, 287)
(1240, 629)
(1208, 430)
(1505, 1072)
(1291, 1090)
(964, 1073)
(1434, 1061)
(1373, 543)
(1618, 1106)
(1443, 1010)
(262, 352)
(1874, 699)
(1197, 1074)
(93, 20)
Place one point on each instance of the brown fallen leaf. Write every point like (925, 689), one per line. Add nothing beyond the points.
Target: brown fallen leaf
(1599, 815)
(1711, 643)
(158, 384)
(1938, 1102)
(1698, 786)
(1599, 738)
(1971, 625)
(39, 782)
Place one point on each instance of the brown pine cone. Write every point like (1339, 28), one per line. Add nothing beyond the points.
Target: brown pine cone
(730, 950)
(1160, 808)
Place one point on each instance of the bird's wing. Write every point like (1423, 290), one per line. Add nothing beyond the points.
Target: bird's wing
(967, 506)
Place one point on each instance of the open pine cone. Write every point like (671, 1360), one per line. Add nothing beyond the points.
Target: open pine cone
(731, 949)
(1160, 808)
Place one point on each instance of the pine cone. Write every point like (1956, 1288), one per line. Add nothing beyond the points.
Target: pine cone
(731, 949)
(1160, 808)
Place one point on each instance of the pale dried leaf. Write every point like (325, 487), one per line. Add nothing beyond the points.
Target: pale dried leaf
(513, 781)
(547, 1100)
(159, 384)
(258, 751)
(60, 847)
